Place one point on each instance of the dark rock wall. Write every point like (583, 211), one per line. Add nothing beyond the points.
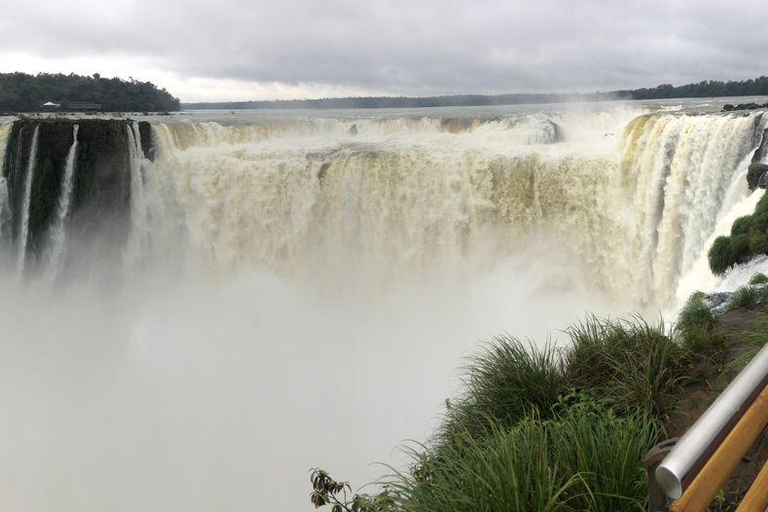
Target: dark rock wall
(99, 216)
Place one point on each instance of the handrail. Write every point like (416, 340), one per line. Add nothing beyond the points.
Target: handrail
(719, 468)
(690, 454)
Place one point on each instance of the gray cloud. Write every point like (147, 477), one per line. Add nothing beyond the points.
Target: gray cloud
(403, 47)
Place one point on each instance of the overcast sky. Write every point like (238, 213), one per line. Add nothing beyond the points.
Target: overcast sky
(279, 49)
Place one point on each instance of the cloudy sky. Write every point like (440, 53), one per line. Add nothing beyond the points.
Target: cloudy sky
(279, 49)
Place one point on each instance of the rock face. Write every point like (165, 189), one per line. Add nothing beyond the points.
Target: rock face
(744, 106)
(755, 174)
(762, 146)
(99, 211)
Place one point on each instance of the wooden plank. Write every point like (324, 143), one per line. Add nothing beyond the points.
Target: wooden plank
(719, 468)
(756, 499)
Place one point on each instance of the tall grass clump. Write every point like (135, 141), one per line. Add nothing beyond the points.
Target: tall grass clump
(696, 323)
(547, 429)
(758, 279)
(635, 364)
(756, 338)
(507, 381)
(582, 458)
(748, 297)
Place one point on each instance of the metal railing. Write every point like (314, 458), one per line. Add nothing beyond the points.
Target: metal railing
(698, 465)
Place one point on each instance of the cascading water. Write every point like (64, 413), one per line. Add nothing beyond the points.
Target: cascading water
(29, 177)
(292, 292)
(639, 218)
(4, 212)
(58, 234)
(139, 239)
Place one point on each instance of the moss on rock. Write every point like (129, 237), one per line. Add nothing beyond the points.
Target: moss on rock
(748, 238)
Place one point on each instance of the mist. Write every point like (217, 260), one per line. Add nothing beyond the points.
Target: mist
(205, 393)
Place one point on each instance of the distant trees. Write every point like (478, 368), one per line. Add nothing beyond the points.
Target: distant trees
(707, 88)
(399, 102)
(20, 92)
(704, 89)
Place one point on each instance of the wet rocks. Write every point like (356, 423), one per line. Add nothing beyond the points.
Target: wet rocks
(756, 176)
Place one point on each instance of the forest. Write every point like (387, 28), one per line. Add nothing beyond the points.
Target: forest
(20, 92)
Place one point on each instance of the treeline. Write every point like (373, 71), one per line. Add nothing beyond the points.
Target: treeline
(704, 89)
(20, 92)
(707, 88)
(462, 100)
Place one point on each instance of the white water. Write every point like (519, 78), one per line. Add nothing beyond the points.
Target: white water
(58, 234)
(29, 177)
(4, 212)
(637, 216)
(295, 295)
(741, 275)
(138, 243)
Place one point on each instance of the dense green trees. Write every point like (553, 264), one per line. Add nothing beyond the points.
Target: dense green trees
(20, 92)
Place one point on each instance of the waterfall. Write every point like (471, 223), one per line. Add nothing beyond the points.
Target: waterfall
(138, 241)
(633, 200)
(5, 213)
(58, 233)
(27, 204)
(636, 210)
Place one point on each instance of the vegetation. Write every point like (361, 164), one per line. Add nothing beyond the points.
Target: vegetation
(20, 92)
(583, 458)
(704, 89)
(547, 428)
(635, 364)
(327, 491)
(748, 238)
(749, 297)
(755, 339)
(505, 383)
(566, 429)
(696, 323)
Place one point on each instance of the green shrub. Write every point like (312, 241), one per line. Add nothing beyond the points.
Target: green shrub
(584, 458)
(739, 249)
(758, 244)
(749, 238)
(695, 324)
(504, 383)
(636, 365)
(696, 313)
(758, 279)
(741, 226)
(748, 297)
(720, 255)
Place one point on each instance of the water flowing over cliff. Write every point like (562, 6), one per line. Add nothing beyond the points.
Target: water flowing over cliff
(175, 294)
(635, 207)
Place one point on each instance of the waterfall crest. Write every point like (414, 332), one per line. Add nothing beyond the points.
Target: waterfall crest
(633, 199)
(636, 210)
